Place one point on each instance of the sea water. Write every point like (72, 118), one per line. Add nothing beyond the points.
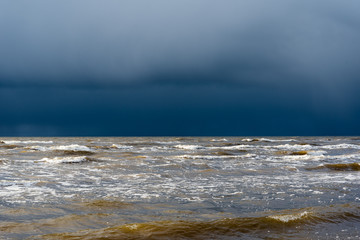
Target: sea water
(180, 188)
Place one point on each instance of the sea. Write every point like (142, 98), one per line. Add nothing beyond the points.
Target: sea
(180, 188)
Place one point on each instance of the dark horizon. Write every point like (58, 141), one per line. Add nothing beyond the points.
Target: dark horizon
(203, 68)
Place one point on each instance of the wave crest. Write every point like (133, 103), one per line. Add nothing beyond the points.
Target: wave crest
(278, 224)
(80, 159)
(338, 167)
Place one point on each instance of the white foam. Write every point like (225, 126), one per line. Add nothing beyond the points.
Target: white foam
(72, 147)
(132, 227)
(316, 153)
(189, 147)
(212, 157)
(341, 146)
(65, 159)
(249, 155)
(317, 192)
(202, 157)
(295, 147)
(310, 156)
(238, 147)
(353, 156)
(118, 146)
(219, 140)
(289, 217)
(247, 140)
(277, 140)
(27, 142)
(167, 143)
(267, 140)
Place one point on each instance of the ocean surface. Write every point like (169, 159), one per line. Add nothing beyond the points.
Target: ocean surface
(180, 188)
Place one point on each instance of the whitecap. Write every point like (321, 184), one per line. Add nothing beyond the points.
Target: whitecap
(344, 157)
(341, 146)
(27, 142)
(189, 147)
(316, 153)
(206, 157)
(314, 156)
(73, 147)
(167, 143)
(249, 140)
(295, 147)
(249, 155)
(118, 146)
(238, 147)
(290, 217)
(277, 140)
(219, 140)
(65, 159)
(267, 140)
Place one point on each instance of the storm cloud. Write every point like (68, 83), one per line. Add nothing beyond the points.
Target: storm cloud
(179, 67)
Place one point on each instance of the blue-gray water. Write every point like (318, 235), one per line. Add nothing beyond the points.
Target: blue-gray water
(180, 188)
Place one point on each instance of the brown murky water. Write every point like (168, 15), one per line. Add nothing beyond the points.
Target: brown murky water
(180, 188)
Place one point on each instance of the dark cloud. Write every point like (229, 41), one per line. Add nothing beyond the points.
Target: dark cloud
(126, 41)
(179, 68)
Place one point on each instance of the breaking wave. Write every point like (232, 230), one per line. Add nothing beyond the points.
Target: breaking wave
(81, 159)
(190, 147)
(72, 147)
(26, 142)
(341, 146)
(267, 140)
(274, 225)
(338, 167)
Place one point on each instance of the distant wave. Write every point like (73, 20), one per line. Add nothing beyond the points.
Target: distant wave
(190, 147)
(58, 160)
(26, 142)
(341, 146)
(72, 147)
(338, 167)
(267, 140)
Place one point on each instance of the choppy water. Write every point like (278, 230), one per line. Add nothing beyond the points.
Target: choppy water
(180, 188)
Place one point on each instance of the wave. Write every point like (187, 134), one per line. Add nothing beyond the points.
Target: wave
(293, 147)
(9, 146)
(189, 147)
(345, 157)
(267, 140)
(237, 147)
(26, 142)
(277, 225)
(57, 160)
(74, 152)
(207, 157)
(301, 155)
(338, 167)
(341, 146)
(104, 204)
(218, 140)
(72, 222)
(117, 146)
(250, 140)
(286, 218)
(229, 152)
(72, 147)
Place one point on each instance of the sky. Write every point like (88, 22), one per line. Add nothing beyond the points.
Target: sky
(179, 68)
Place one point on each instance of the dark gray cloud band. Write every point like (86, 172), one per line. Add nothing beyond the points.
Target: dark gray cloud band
(129, 41)
(159, 61)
